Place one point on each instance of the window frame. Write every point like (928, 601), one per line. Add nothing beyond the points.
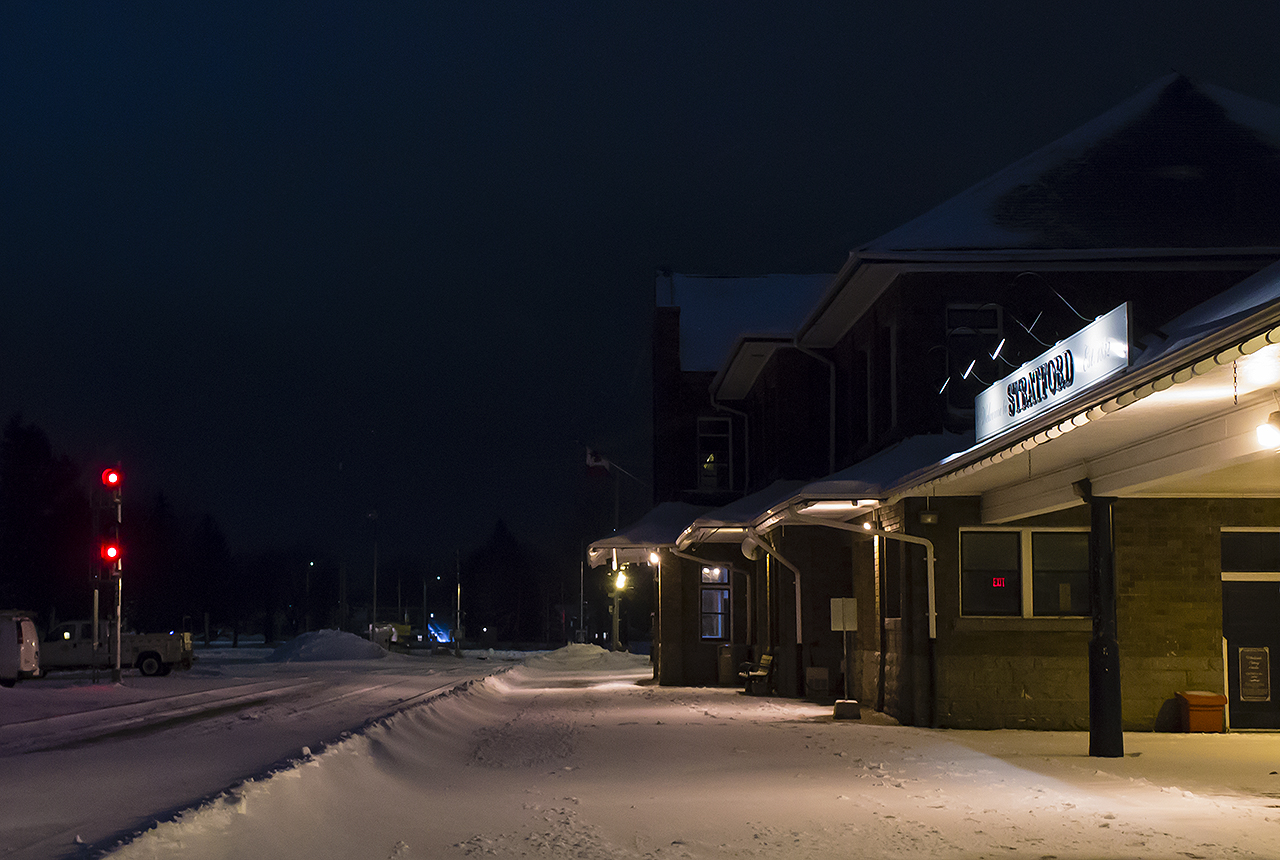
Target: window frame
(725, 616)
(1026, 569)
(1246, 575)
(714, 427)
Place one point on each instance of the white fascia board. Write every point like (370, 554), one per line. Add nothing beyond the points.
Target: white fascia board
(738, 376)
(1191, 451)
(1041, 495)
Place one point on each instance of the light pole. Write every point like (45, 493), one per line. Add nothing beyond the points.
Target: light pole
(373, 621)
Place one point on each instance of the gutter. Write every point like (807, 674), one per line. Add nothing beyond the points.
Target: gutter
(831, 401)
(746, 440)
(1224, 347)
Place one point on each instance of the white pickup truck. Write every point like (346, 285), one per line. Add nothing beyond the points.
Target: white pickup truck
(70, 646)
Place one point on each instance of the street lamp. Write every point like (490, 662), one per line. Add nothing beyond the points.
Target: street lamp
(619, 585)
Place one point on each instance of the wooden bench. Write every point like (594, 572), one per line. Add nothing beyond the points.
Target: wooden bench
(758, 676)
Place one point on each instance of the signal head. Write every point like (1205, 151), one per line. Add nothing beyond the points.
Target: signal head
(111, 479)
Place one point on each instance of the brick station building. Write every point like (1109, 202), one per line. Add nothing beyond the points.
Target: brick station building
(921, 444)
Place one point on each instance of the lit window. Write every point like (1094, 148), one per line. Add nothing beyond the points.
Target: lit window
(714, 447)
(715, 613)
(1024, 572)
(715, 602)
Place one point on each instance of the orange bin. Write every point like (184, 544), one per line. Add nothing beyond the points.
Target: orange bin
(1201, 711)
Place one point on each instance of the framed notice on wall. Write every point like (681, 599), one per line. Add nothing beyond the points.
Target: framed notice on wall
(1255, 674)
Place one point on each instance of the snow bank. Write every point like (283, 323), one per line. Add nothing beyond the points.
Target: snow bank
(326, 645)
(560, 757)
(593, 658)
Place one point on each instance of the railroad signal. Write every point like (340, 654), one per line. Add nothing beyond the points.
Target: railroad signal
(108, 516)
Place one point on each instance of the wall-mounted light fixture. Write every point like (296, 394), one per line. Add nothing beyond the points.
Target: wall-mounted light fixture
(1269, 431)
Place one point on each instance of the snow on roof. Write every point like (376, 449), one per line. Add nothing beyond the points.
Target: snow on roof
(1251, 296)
(715, 311)
(748, 508)
(874, 476)
(659, 527)
(1179, 165)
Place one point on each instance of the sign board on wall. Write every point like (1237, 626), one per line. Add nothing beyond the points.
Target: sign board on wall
(1097, 352)
(844, 613)
(1255, 674)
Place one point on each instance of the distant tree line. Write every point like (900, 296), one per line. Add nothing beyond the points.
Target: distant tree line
(179, 572)
(178, 569)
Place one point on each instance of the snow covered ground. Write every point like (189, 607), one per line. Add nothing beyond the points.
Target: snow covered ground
(573, 754)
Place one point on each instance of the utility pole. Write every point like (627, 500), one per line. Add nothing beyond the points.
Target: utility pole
(373, 621)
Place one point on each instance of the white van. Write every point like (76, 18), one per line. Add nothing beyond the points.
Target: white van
(19, 648)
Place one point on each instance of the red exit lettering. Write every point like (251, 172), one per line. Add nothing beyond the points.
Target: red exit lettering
(997, 582)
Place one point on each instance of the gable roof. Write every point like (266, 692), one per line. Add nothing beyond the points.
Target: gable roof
(1179, 165)
(1181, 169)
(716, 311)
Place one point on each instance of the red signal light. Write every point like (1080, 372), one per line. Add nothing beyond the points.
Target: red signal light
(110, 552)
(111, 479)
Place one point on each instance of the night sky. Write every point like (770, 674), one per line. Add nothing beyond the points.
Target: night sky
(292, 262)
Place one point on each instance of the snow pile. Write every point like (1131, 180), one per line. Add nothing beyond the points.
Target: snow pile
(326, 645)
(587, 658)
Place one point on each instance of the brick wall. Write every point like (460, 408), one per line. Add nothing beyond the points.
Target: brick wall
(1169, 597)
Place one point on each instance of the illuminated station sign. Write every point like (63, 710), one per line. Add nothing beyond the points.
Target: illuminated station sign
(1097, 352)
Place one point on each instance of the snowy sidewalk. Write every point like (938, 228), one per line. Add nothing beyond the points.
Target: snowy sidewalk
(570, 756)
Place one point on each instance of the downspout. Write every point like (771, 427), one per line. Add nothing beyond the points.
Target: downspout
(831, 401)
(746, 442)
(794, 515)
(760, 541)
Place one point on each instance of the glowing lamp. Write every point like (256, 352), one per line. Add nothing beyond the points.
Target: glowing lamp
(111, 479)
(1269, 431)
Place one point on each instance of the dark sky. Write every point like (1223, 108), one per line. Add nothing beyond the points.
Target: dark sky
(289, 262)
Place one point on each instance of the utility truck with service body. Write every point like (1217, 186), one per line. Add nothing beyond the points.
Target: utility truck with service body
(70, 646)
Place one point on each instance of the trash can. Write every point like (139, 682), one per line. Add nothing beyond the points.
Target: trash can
(1202, 711)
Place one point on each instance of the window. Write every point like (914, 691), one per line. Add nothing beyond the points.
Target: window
(715, 603)
(990, 573)
(1060, 573)
(1024, 572)
(1250, 551)
(714, 449)
(974, 332)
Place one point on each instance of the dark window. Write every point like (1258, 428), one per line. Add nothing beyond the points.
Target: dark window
(1060, 573)
(974, 333)
(1251, 552)
(990, 573)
